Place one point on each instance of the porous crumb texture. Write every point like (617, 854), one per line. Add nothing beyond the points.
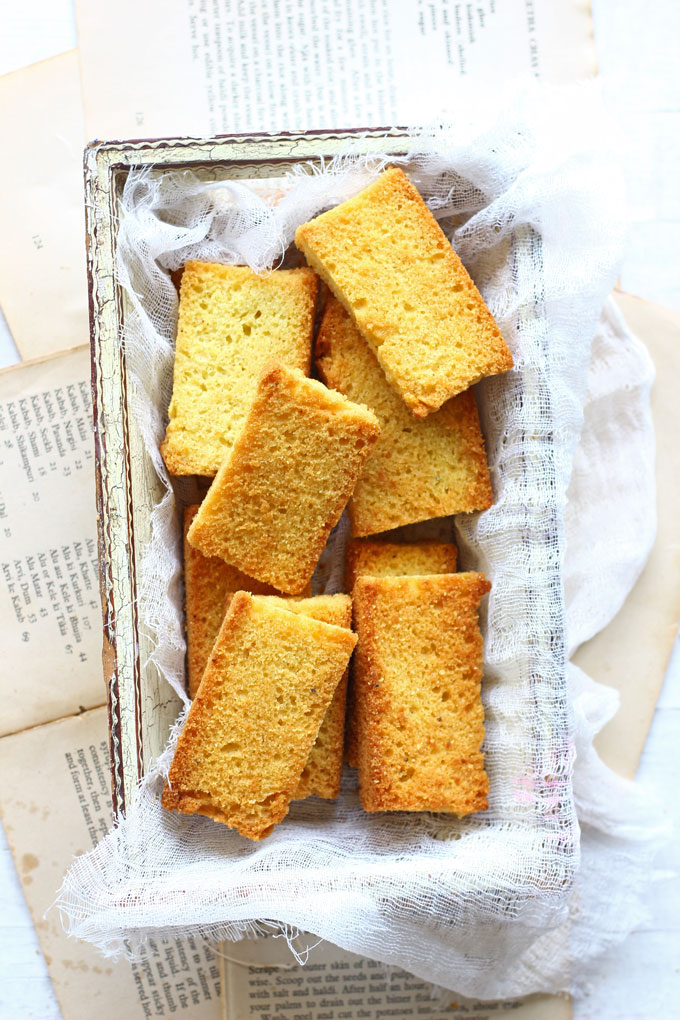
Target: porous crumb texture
(267, 686)
(417, 678)
(208, 581)
(419, 468)
(322, 774)
(286, 481)
(231, 322)
(379, 558)
(384, 256)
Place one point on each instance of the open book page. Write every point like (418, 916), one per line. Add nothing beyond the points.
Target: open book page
(196, 68)
(55, 794)
(50, 611)
(43, 284)
(261, 983)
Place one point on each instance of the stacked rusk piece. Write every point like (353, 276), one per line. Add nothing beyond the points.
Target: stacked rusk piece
(394, 435)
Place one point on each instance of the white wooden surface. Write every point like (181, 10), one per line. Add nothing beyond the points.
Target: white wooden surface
(638, 61)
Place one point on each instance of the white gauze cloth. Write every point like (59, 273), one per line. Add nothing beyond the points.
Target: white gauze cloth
(493, 905)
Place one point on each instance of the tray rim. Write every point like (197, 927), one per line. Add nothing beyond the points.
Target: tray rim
(104, 164)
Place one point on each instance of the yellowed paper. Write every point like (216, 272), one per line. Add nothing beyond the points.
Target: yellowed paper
(50, 610)
(43, 284)
(196, 68)
(55, 796)
(632, 653)
(261, 982)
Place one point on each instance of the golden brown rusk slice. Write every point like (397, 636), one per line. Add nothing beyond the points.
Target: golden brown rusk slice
(207, 582)
(385, 257)
(231, 323)
(377, 558)
(417, 680)
(322, 774)
(286, 481)
(269, 681)
(419, 468)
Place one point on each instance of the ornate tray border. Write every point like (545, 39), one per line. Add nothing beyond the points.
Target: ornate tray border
(141, 708)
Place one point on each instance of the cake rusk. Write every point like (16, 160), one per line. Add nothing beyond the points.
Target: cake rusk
(286, 480)
(420, 468)
(380, 558)
(385, 257)
(231, 322)
(265, 691)
(208, 581)
(417, 677)
(322, 774)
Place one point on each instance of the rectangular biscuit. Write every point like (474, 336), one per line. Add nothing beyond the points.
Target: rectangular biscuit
(419, 468)
(384, 256)
(417, 679)
(377, 558)
(322, 774)
(286, 481)
(231, 322)
(267, 686)
(208, 581)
